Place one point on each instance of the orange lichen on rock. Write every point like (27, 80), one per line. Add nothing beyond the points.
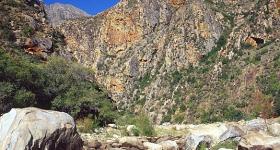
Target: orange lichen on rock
(31, 47)
(193, 54)
(116, 86)
(249, 40)
(121, 29)
(278, 3)
(177, 3)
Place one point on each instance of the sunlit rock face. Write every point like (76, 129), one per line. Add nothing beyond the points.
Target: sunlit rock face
(57, 13)
(140, 49)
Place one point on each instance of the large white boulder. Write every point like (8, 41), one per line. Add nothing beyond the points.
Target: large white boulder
(169, 145)
(131, 142)
(152, 146)
(211, 134)
(32, 128)
(275, 129)
(259, 140)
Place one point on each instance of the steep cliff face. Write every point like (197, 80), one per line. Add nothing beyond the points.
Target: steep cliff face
(177, 58)
(57, 13)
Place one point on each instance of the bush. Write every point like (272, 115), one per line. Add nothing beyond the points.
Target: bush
(179, 118)
(232, 114)
(27, 31)
(6, 94)
(58, 84)
(145, 80)
(141, 121)
(229, 144)
(176, 77)
(166, 118)
(24, 98)
(209, 116)
(270, 85)
(85, 125)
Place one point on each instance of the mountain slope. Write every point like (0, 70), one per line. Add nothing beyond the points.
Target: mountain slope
(57, 13)
(33, 73)
(182, 60)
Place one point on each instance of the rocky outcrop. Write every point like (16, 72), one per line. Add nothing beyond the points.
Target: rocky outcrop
(137, 40)
(162, 55)
(38, 46)
(24, 25)
(32, 128)
(58, 13)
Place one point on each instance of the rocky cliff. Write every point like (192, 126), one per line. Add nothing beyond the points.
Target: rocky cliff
(57, 13)
(198, 59)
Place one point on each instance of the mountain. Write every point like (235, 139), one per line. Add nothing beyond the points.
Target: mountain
(180, 61)
(184, 60)
(57, 13)
(35, 71)
(154, 69)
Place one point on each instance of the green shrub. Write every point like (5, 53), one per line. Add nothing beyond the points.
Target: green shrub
(136, 131)
(209, 116)
(229, 144)
(24, 98)
(176, 77)
(145, 81)
(270, 85)
(27, 31)
(85, 125)
(232, 114)
(58, 84)
(166, 118)
(141, 121)
(179, 118)
(6, 94)
(202, 146)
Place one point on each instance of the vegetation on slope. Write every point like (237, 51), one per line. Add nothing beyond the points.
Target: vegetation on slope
(56, 84)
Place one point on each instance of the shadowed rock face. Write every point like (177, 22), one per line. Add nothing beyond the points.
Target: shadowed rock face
(33, 128)
(58, 13)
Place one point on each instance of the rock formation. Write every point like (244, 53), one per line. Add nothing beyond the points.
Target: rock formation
(58, 13)
(167, 55)
(32, 128)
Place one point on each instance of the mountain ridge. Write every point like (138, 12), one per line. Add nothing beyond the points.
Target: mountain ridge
(59, 12)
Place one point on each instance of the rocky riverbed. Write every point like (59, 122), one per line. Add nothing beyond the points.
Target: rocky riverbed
(257, 134)
(32, 128)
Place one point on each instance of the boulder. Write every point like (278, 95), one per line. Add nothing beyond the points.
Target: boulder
(260, 141)
(256, 125)
(32, 128)
(193, 141)
(94, 144)
(131, 142)
(231, 132)
(152, 146)
(112, 126)
(275, 129)
(38, 45)
(169, 145)
(209, 134)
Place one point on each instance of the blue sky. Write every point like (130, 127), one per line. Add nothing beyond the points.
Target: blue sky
(90, 6)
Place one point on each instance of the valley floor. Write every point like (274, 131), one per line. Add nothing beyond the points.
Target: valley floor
(257, 134)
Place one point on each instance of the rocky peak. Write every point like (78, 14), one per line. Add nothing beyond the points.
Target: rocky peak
(57, 13)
